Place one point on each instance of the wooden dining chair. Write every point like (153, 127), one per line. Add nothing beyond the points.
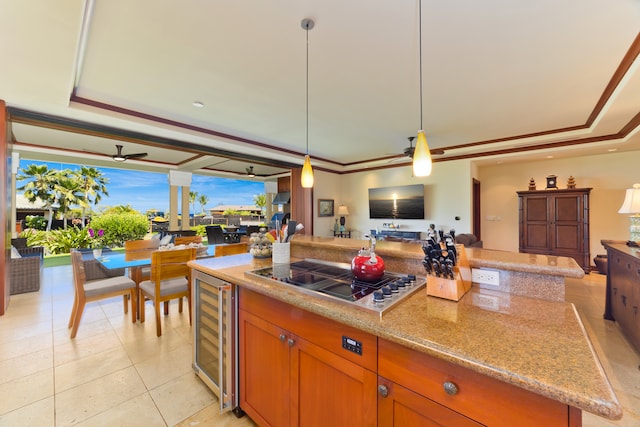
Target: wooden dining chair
(141, 245)
(231, 249)
(170, 279)
(94, 290)
(186, 240)
(131, 246)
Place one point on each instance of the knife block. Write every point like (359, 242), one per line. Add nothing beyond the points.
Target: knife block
(452, 289)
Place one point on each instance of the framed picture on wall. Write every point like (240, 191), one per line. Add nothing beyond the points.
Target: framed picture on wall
(325, 207)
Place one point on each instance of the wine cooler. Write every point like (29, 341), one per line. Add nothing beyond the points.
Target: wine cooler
(215, 337)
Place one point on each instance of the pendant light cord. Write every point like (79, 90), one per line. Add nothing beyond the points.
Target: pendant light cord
(307, 90)
(420, 55)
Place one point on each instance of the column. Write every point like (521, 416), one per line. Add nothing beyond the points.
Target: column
(183, 180)
(173, 207)
(185, 208)
(15, 164)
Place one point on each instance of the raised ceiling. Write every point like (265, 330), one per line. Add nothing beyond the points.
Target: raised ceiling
(503, 81)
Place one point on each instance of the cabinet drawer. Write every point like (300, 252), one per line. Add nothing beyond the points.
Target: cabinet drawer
(427, 375)
(625, 295)
(319, 330)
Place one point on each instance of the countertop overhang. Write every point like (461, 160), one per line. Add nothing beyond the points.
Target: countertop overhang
(535, 344)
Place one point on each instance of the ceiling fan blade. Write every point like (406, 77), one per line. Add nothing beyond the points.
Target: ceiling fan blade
(135, 155)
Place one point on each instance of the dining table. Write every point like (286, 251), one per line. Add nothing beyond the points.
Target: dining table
(136, 261)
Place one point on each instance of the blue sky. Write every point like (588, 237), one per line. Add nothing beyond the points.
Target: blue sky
(150, 190)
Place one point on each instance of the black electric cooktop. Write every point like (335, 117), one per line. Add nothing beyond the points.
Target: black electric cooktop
(335, 280)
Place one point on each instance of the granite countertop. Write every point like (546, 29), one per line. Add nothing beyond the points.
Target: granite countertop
(497, 334)
(478, 257)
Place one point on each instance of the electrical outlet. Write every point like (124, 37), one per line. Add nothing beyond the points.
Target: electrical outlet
(485, 277)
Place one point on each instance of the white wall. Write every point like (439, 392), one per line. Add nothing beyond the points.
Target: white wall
(447, 195)
(609, 175)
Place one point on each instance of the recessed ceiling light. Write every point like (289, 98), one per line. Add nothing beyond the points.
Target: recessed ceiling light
(611, 150)
(549, 157)
(198, 104)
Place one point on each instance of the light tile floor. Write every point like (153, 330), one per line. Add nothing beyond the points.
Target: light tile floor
(116, 373)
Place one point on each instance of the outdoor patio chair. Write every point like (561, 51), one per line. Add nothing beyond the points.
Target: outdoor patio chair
(170, 279)
(215, 235)
(94, 290)
(26, 266)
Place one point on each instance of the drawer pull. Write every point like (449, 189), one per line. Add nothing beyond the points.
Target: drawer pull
(291, 342)
(282, 337)
(450, 388)
(383, 390)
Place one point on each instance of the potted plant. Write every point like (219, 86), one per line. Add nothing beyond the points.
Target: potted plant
(96, 242)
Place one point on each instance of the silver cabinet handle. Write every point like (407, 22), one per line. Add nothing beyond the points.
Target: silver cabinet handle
(291, 342)
(383, 390)
(450, 388)
(283, 337)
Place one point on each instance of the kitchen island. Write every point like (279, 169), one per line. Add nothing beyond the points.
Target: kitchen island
(507, 353)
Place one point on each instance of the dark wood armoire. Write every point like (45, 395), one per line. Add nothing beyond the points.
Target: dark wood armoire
(556, 222)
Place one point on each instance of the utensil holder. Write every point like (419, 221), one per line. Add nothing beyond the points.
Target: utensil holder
(281, 252)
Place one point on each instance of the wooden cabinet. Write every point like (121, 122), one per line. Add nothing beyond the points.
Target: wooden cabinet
(426, 391)
(556, 222)
(399, 407)
(294, 370)
(623, 290)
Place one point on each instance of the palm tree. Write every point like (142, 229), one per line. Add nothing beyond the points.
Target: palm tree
(93, 185)
(203, 200)
(40, 187)
(193, 195)
(260, 200)
(68, 192)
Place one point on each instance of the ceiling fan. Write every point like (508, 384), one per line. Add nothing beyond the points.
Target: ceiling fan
(252, 173)
(408, 151)
(119, 157)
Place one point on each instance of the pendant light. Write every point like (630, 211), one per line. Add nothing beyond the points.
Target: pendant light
(421, 155)
(306, 178)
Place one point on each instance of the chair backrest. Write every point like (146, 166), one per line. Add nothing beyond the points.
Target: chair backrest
(252, 229)
(19, 242)
(215, 235)
(94, 269)
(79, 275)
(172, 263)
(185, 240)
(231, 249)
(141, 245)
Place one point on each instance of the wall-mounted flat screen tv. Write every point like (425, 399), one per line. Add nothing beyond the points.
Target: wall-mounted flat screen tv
(401, 202)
